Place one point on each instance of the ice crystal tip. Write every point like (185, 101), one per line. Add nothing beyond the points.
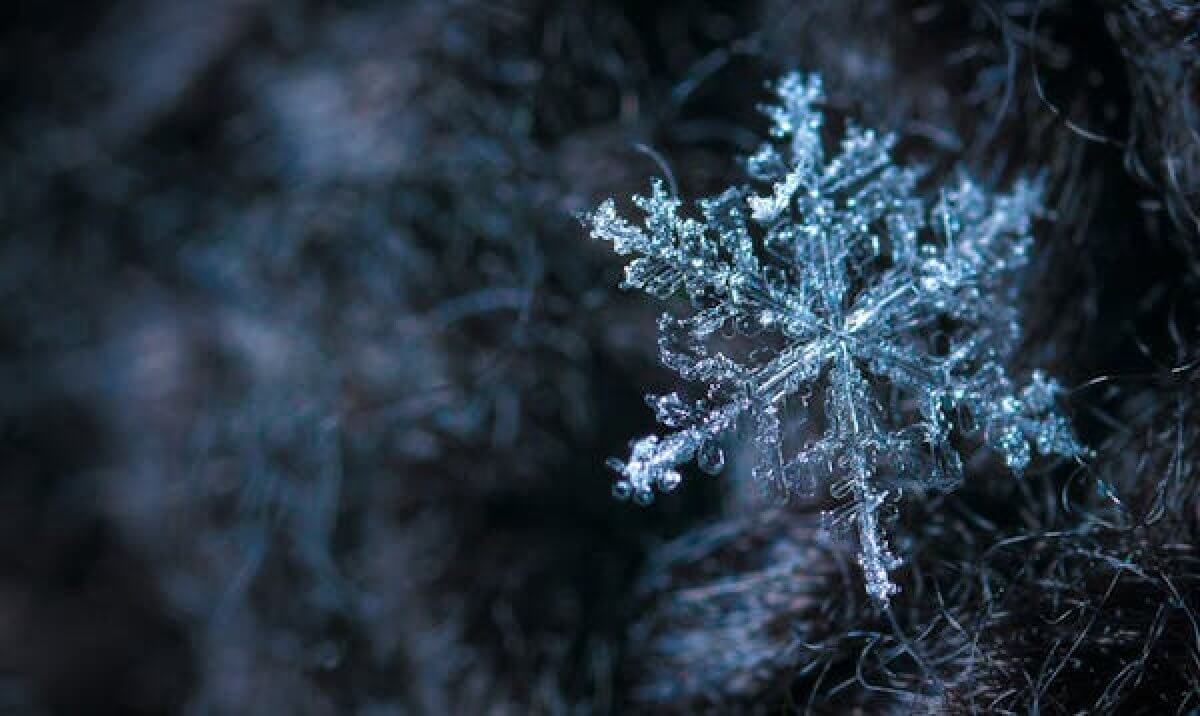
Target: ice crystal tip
(828, 281)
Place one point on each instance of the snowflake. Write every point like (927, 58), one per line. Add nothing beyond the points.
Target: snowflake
(833, 284)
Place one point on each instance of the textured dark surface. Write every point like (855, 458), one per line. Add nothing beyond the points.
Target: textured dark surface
(309, 372)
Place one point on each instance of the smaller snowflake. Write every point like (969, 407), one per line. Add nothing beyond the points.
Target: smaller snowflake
(838, 283)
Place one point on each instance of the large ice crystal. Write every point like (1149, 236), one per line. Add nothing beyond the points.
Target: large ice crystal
(829, 282)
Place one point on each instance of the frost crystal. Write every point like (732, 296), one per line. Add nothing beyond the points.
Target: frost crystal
(830, 281)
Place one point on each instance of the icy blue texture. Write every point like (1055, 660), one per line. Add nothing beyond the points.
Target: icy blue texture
(827, 282)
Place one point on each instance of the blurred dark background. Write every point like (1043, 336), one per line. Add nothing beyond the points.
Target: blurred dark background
(309, 371)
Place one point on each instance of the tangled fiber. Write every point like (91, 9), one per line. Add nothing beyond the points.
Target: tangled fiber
(309, 373)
